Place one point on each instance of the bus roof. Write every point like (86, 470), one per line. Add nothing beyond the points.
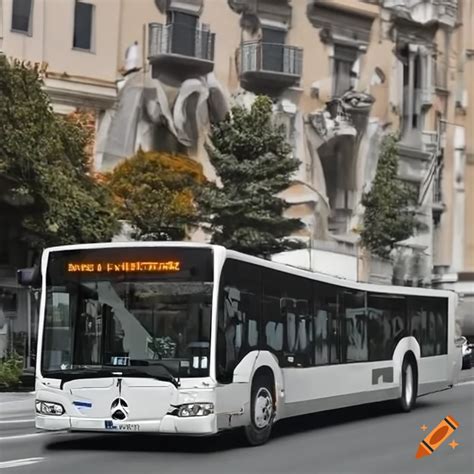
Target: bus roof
(317, 276)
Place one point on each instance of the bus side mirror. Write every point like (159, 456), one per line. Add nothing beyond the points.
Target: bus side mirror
(460, 341)
(30, 277)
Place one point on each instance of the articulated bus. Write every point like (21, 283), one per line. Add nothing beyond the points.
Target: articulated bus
(194, 339)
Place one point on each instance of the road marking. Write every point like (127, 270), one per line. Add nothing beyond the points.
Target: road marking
(27, 435)
(469, 382)
(19, 462)
(14, 420)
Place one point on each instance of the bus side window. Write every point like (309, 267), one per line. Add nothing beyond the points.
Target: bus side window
(386, 324)
(238, 315)
(441, 312)
(414, 319)
(321, 339)
(327, 324)
(355, 326)
(286, 317)
(428, 319)
(288, 313)
(274, 313)
(295, 314)
(304, 331)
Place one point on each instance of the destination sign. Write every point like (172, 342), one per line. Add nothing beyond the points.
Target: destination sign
(124, 267)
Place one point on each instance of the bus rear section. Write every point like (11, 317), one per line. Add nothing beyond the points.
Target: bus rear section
(309, 342)
(125, 340)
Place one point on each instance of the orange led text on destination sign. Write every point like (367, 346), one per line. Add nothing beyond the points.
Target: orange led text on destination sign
(119, 267)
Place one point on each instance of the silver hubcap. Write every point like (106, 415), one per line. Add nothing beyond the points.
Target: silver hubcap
(408, 385)
(263, 408)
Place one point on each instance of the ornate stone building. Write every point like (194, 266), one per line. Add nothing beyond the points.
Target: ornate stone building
(341, 73)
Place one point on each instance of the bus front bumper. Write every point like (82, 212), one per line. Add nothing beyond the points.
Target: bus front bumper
(169, 424)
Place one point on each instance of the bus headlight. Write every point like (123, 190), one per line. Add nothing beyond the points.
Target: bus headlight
(194, 409)
(49, 408)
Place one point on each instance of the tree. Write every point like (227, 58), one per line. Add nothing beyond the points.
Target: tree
(46, 156)
(389, 216)
(155, 192)
(253, 163)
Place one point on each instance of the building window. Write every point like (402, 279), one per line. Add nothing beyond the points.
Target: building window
(344, 59)
(273, 40)
(184, 27)
(437, 181)
(21, 16)
(417, 84)
(83, 19)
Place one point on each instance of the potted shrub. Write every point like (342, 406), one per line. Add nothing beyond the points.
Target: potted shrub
(11, 368)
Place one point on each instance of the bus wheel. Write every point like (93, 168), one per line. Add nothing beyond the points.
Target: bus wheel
(409, 385)
(262, 412)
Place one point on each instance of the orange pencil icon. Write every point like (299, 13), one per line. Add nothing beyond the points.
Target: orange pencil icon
(437, 437)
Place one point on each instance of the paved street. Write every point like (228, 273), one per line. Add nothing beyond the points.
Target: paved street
(368, 439)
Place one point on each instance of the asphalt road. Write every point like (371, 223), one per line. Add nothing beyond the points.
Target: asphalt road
(368, 439)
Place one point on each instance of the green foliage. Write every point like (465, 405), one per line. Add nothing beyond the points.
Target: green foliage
(46, 155)
(389, 216)
(251, 158)
(162, 347)
(11, 369)
(155, 193)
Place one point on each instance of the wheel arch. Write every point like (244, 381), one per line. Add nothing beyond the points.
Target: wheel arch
(410, 356)
(267, 365)
(407, 347)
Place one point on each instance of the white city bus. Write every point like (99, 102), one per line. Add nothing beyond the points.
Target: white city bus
(195, 339)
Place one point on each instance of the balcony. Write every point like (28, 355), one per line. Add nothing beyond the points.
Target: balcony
(424, 12)
(180, 49)
(269, 67)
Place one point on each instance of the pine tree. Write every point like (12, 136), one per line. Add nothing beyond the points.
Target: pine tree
(253, 163)
(389, 216)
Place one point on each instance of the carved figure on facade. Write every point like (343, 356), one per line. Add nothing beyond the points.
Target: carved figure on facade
(155, 115)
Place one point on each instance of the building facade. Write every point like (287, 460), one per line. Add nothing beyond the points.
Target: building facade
(341, 73)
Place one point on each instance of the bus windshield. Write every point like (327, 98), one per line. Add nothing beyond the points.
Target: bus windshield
(106, 312)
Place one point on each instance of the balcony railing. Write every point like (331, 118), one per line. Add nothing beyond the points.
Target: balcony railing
(180, 40)
(256, 56)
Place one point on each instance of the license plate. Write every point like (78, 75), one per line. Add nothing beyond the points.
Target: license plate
(111, 425)
(129, 427)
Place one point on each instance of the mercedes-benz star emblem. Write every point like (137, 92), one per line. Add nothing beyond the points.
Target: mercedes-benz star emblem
(119, 409)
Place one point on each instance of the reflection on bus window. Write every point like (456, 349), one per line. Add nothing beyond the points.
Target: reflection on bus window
(356, 347)
(238, 315)
(428, 324)
(386, 324)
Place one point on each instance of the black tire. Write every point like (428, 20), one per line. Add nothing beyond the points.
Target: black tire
(262, 411)
(409, 376)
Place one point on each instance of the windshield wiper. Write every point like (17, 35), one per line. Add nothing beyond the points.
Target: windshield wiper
(148, 371)
(91, 373)
(68, 375)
